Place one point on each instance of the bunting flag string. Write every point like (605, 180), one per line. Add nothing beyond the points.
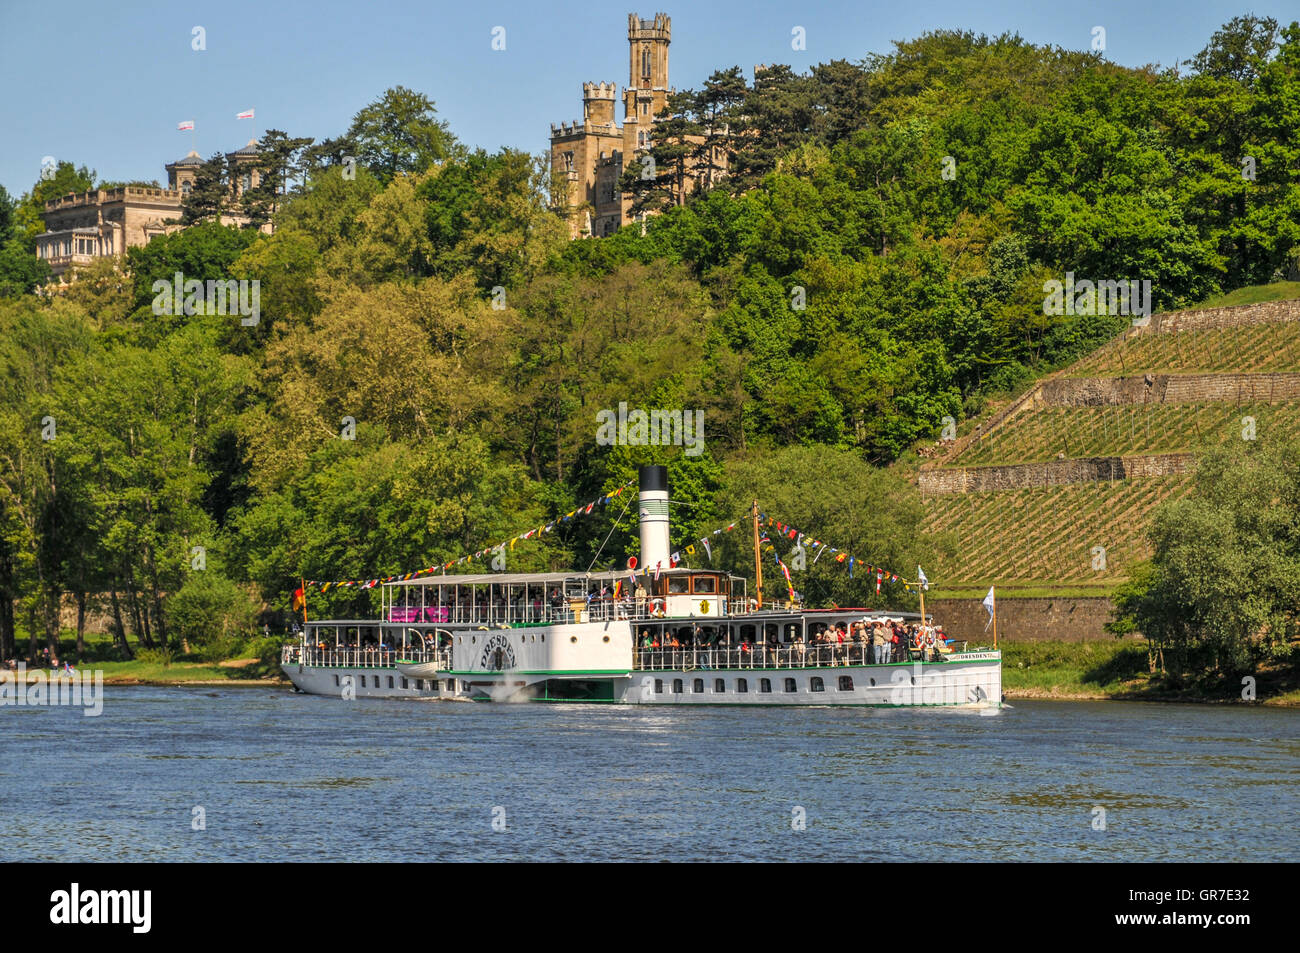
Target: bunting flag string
(782, 529)
(853, 562)
(535, 533)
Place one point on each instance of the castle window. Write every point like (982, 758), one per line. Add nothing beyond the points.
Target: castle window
(568, 162)
(645, 61)
(245, 182)
(185, 187)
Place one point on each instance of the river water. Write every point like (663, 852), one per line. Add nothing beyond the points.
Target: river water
(267, 775)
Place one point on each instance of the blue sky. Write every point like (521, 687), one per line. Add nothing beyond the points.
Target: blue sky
(105, 83)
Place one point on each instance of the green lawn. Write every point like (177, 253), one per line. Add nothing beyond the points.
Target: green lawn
(1253, 294)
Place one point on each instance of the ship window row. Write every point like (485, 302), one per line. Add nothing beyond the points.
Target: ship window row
(419, 683)
(788, 685)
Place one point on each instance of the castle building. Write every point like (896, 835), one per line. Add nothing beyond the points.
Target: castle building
(587, 154)
(80, 227)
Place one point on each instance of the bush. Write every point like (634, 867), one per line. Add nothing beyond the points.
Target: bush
(266, 649)
(155, 656)
(210, 608)
(220, 649)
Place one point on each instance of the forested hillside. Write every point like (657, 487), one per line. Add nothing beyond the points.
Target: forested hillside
(875, 264)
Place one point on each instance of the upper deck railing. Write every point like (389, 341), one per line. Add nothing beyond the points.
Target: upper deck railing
(569, 610)
(780, 655)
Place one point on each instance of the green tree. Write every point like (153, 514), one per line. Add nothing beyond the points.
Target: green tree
(209, 194)
(1221, 591)
(399, 133)
(279, 163)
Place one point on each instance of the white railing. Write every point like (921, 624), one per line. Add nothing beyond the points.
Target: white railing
(365, 657)
(599, 609)
(784, 655)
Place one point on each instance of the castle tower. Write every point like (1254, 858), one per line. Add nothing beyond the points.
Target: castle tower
(598, 103)
(647, 83)
(181, 173)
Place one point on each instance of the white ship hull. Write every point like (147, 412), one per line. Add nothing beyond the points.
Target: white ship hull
(965, 681)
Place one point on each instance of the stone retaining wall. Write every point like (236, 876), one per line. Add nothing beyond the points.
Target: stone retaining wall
(1165, 388)
(1024, 620)
(1019, 476)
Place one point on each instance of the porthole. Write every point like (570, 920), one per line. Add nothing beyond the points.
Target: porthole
(607, 638)
(573, 638)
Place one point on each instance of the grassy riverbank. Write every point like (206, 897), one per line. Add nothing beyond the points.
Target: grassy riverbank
(233, 662)
(1115, 669)
(248, 671)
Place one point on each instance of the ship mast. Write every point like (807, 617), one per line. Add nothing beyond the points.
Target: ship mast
(758, 557)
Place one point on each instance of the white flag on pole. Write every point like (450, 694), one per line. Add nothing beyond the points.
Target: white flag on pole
(920, 574)
(246, 114)
(187, 124)
(990, 604)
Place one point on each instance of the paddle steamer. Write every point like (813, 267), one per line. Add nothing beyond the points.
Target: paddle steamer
(593, 637)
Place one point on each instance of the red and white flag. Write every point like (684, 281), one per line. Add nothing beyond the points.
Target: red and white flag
(187, 124)
(246, 114)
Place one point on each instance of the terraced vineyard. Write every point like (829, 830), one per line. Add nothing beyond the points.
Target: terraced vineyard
(1254, 348)
(1043, 432)
(1026, 537)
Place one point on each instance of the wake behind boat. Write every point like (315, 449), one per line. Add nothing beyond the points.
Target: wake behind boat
(679, 636)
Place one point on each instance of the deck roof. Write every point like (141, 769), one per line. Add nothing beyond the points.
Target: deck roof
(532, 578)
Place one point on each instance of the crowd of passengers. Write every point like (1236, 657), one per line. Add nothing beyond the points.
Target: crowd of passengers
(874, 641)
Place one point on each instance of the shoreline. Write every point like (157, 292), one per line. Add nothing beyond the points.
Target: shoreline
(1039, 694)
(1021, 694)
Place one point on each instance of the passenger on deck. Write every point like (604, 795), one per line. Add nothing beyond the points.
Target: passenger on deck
(885, 648)
(941, 645)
